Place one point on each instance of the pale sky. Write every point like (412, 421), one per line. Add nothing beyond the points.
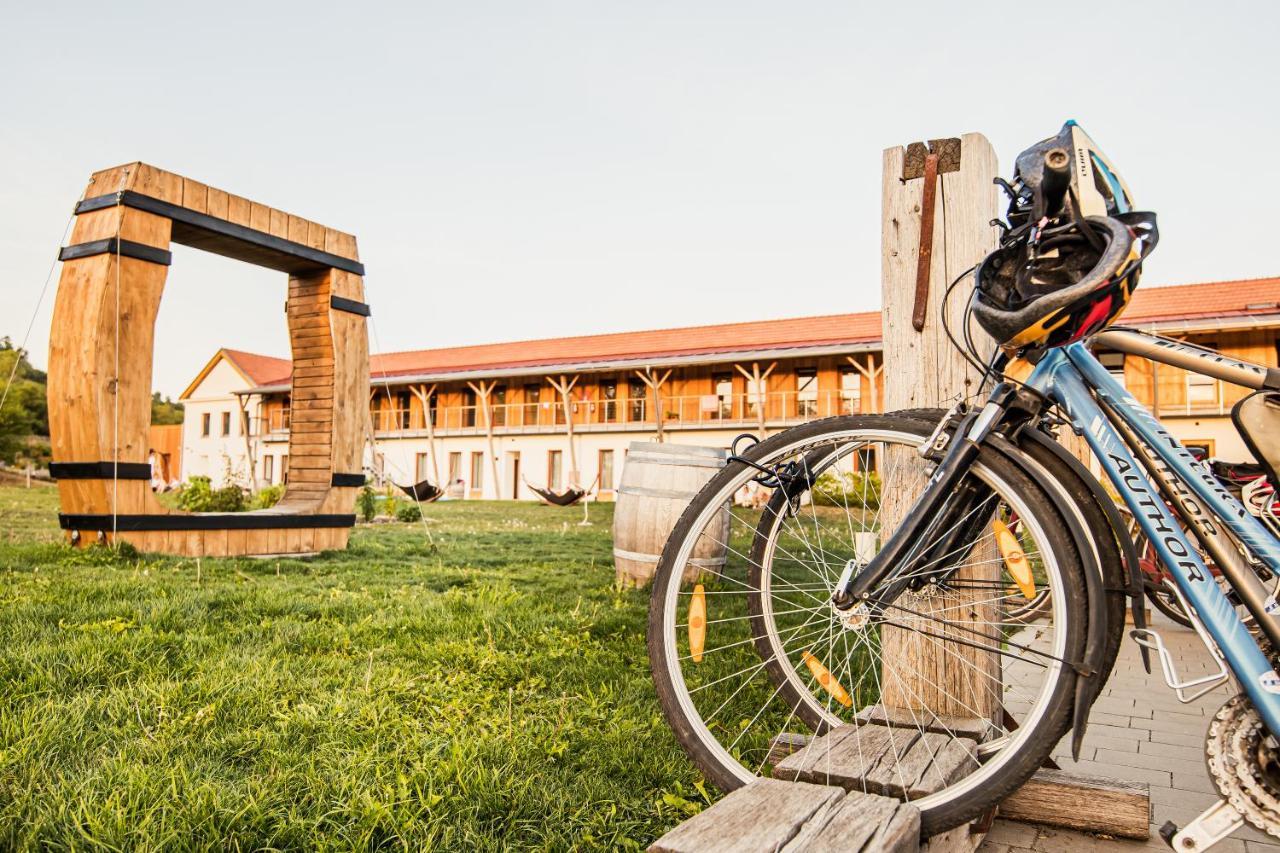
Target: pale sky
(533, 169)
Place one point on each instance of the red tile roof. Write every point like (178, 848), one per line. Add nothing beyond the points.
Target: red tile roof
(1214, 299)
(261, 369)
(1151, 304)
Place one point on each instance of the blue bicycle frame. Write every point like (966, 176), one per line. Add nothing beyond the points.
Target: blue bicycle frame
(1071, 377)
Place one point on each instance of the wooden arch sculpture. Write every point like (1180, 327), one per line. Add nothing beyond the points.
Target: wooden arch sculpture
(101, 351)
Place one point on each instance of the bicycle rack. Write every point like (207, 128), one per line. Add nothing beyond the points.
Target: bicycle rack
(1150, 639)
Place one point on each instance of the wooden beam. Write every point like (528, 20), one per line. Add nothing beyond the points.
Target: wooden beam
(482, 390)
(564, 387)
(1077, 801)
(654, 382)
(923, 673)
(426, 395)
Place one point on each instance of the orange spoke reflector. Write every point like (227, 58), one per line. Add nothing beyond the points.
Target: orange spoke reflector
(697, 623)
(1014, 559)
(826, 679)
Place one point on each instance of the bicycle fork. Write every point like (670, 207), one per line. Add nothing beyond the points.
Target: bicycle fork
(949, 496)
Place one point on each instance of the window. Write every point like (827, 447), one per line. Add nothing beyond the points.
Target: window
(1114, 363)
(204, 424)
(558, 405)
(606, 470)
(555, 469)
(609, 406)
(498, 405)
(421, 467)
(469, 408)
(865, 459)
(1202, 391)
(637, 398)
(401, 416)
(477, 472)
(226, 423)
(723, 383)
(284, 468)
(532, 396)
(455, 467)
(268, 470)
(850, 391)
(246, 425)
(807, 392)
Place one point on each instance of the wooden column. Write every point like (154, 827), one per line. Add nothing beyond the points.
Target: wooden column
(426, 395)
(654, 383)
(482, 391)
(924, 370)
(564, 387)
(756, 380)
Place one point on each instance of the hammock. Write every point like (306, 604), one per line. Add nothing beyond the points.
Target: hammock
(568, 497)
(423, 492)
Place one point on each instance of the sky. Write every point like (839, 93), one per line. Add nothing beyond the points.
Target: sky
(535, 169)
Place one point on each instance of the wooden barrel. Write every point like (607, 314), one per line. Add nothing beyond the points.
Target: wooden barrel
(658, 482)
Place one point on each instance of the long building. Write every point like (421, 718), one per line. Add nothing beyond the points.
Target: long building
(487, 420)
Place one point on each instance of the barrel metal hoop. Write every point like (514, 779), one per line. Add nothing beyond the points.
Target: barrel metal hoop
(642, 492)
(676, 461)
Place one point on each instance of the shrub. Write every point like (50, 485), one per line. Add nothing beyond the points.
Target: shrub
(198, 495)
(851, 488)
(408, 512)
(367, 503)
(268, 497)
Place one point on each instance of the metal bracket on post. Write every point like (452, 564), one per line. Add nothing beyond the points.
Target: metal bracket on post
(941, 156)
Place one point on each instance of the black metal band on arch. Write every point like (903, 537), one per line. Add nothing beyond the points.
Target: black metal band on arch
(100, 470)
(339, 303)
(347, 480)
(116, 246)
(201, 231)
(204, 521)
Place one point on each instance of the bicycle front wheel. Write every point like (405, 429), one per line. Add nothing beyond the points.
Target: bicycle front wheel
(753, 661)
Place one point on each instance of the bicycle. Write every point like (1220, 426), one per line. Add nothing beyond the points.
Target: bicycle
(934, 529)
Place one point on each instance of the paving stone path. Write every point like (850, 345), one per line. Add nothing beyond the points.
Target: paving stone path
(1139, 731)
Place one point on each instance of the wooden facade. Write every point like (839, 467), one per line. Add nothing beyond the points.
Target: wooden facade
(101, 355)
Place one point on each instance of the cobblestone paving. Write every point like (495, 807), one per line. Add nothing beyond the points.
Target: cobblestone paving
(1139, 731)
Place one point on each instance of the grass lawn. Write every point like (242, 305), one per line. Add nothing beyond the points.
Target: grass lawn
(488, 691)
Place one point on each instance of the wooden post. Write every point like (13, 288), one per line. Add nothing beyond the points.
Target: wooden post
(756, 380)
(564, 387)
(426, 394)
(924, 370)
(654, 382)
(482, 391)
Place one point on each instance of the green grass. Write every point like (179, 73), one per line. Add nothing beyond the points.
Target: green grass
(488, 691)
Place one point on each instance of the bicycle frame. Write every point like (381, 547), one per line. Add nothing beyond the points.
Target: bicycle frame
(1072, 378)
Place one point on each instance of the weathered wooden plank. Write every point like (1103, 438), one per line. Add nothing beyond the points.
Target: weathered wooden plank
(860, 822)
(783, 744)
(896, 762)
(1077, 801)
(921, 719)
(259, 217)
(762, 816)
(279, 224)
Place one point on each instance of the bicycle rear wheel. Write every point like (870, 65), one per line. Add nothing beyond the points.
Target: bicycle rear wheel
(757, 650)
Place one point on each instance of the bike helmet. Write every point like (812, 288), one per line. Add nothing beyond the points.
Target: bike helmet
(1072, 252)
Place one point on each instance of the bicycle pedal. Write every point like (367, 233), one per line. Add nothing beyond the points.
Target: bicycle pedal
(1207, 829)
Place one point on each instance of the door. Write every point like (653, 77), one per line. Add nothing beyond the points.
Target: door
(513, 476)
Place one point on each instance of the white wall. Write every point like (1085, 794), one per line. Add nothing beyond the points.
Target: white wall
(215, 455)
(400, 454)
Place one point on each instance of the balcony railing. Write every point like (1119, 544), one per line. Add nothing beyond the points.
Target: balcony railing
(706, 411)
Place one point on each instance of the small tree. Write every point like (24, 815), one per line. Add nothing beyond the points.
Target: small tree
(24, 416)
